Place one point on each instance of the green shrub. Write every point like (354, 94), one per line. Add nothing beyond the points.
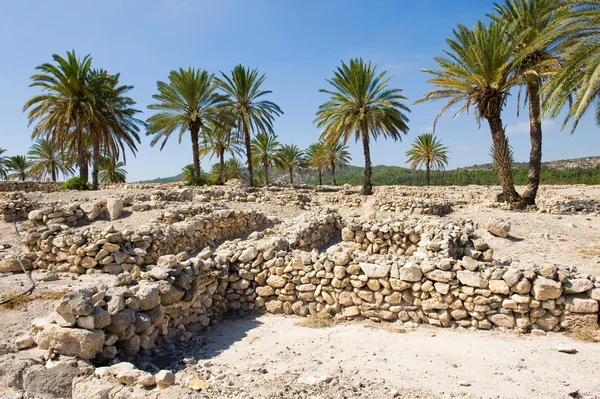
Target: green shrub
(75, 183)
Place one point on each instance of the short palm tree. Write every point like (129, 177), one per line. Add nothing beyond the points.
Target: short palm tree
(526, 22)
(576, 86)
(477, 72)
(252, 113)
(427, 150)
(65, 106)
(48, 160)
(234, 169)
(362, 106)
(2, 164)
(290, 158)
(111, 171)
(335, 155)
(115, 127)
(188, 102)
(19, 167)
(187, 175)
(314, 159)
(264, 147)
(218, 140)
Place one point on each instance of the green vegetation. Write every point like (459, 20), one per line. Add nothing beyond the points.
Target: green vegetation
(47, 159)
(290, 158)
(19, 167)
(219, 140)
(2, 164)
(395, 175)
(75, 183)
(111, 171)
(264, 149)
(362, 106)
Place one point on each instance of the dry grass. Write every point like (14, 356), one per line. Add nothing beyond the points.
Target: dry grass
(321, 320)
(591, 251)
(585, 334)
(19, 301)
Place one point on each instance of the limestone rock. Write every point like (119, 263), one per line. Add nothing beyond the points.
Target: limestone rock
(164, 378)
(372, 270)
(544, 288)
(71, 341)
(472, 279)
(498, 226)
(114, 207)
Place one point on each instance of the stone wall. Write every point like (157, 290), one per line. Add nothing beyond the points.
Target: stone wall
(406, 270)
(14, 205)
(29, 186)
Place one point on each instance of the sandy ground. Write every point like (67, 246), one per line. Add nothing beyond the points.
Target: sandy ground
(424, 362)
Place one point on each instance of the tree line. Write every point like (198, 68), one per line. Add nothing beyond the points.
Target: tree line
(548, 48)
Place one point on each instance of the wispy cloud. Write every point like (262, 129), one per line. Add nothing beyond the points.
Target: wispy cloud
(523, 127)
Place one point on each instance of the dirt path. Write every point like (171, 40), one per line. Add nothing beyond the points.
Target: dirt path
(425, 362)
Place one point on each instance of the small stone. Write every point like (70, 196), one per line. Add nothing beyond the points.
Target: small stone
(566, 349)
(498, 226)
(164, 378)
(314, 378)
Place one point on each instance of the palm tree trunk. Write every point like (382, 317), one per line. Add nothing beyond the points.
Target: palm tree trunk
(221, 167)
(502, 157)
(266, 167)
(291, 176)
(333, 174)
(320, 177)
(194, 130)
(54, 173)
(95, 165)
(81, 159)
(367, 185)
(427, 173)
(535, 134)
(249, 153)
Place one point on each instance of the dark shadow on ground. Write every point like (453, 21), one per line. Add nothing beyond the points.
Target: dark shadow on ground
(176, 353)
(514, 239)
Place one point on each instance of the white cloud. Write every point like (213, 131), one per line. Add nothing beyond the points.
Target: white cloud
(523, 127)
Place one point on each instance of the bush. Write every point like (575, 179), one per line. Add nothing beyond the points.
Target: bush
(75, 183)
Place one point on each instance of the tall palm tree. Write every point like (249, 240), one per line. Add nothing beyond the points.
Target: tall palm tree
(427, 150)
(218, 140)
(264, 147)
(115, 127)
(48, 160)
(576, 86)
(289, 158)
(526, 21)
(188, 102)
(335, 155)
(65, 106)
(362, 106)
(19, 167)
(477, 72)
(253, 114)
(2, 164)
(314, 159)
(111, 171)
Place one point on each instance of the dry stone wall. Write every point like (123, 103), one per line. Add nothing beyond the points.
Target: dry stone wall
(29, 186)
(405, 270)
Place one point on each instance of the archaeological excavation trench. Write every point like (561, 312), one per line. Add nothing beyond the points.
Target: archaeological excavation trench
(196, 260)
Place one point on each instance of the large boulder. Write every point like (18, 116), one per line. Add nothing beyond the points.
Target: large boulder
(71, 341)
(11, 264)
(114, 207)
(498, 226)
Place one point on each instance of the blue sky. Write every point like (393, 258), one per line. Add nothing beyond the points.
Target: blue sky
(296, 43)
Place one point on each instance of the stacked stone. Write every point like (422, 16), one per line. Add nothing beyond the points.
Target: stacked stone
(28, 186)
(14, 205)
(72, 214)
(98, 323)
(312, 231)
(59, 248)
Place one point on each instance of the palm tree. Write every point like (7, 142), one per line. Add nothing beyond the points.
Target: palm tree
(577, 84)
(289, 158)
(187, 175)
(525, 23)
(427, 150)
(362, 105)
(219, 139)
(2, 164)
(244, 93)
(314, 159)
(111, 171)
(48, 160)
(188, 102)
(335, 155)
(234, 169)
(477, 72)
(115, 126)
(19, 166)
(65, 105)
(264, 149)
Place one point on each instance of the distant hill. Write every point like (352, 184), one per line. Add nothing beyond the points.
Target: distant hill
(570, 171)
(583, 163)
